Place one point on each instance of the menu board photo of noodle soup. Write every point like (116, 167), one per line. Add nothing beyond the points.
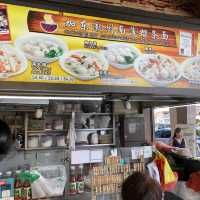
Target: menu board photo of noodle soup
(191, 69)
(12, 61)
(84, 65)
(121, 56)
(41, 47)
(158, 69)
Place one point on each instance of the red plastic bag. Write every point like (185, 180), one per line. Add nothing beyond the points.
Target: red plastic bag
(194, 181)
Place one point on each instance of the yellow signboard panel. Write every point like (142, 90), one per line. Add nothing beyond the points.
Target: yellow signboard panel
(45, 46)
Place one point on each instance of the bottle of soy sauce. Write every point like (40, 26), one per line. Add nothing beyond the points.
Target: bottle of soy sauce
(72, 184)
(80, 180)
(17, 187)
(26, 192)
(27, 188)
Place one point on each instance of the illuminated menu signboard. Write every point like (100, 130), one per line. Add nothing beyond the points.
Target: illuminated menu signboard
(43, 46)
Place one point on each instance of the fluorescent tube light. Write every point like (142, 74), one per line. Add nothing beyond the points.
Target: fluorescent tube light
(185, 105)
(53, 98)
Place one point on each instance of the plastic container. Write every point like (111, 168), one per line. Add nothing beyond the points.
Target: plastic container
(58, 124)
(60, 140)
(51, 183)
(46, 141)
(33, 142)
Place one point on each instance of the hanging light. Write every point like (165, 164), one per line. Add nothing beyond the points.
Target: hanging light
(76, 98)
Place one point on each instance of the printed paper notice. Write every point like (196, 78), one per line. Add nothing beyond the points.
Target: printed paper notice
(137, 152)
(80, 157)
(147, 151)
(185, 48)
(132, 127)
(96, 156)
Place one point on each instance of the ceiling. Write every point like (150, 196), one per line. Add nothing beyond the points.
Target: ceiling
(173, 7)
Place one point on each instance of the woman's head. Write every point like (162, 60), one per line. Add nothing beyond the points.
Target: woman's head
(178, 133)
(139, 186)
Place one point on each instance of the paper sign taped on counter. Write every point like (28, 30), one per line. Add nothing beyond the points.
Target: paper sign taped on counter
(137, 152)
(148, 151)
(96, 156)
(80, 157)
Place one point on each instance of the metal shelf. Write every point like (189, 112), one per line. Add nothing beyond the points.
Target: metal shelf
(45, 148)
(94, 145)
(94, 129)
(82, 113)
(46, 132)
(35, 131)
(55, 115)
(20, 149)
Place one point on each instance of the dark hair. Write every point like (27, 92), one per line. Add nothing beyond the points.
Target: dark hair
(140, 186)
(5, 137)
(177, 130)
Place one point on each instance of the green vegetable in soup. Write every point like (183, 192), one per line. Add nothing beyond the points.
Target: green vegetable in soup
(54, 53)
(129, 59)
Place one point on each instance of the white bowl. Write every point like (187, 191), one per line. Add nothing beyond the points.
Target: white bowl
(31, 37)
(99, 56)
(121, 45)
(188, 62)
(21, 57)
(162, 83)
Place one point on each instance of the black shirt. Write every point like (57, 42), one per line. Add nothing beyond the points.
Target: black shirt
(177, 144)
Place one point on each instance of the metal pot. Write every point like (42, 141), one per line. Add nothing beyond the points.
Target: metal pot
(93, 138)
(91, 107)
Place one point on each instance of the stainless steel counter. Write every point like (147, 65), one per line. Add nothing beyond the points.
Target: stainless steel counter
(87, 196)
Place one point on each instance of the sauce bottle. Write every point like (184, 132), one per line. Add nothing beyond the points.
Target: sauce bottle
(28, 190)
(27, 194)
(80, 180)
(23, 192)
(72, 184)
(17, 186)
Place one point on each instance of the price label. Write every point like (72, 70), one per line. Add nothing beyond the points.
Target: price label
(90, 44)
